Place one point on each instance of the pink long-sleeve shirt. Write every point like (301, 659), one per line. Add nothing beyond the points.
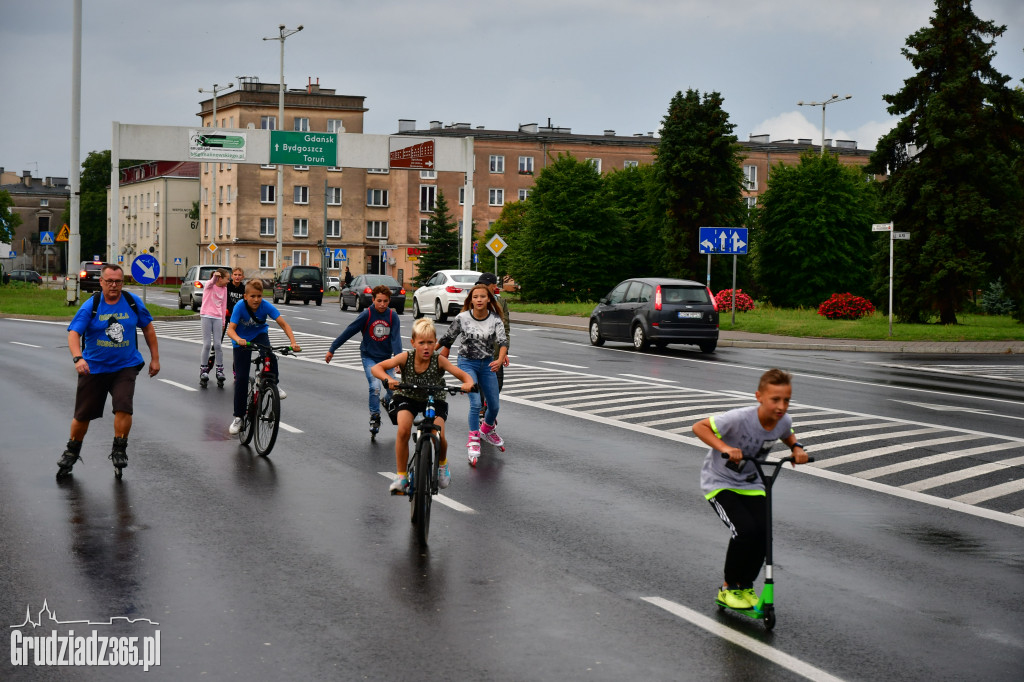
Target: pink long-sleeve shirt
(215, 300)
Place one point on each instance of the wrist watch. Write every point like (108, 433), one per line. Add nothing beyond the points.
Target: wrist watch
(796, 445)
(76, 359)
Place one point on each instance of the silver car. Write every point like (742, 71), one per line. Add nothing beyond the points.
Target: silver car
(191, 291)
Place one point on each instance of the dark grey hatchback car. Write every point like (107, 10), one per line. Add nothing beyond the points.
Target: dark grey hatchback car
(648, 310)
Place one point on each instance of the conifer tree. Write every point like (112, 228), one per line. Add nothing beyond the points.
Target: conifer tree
(440, 251)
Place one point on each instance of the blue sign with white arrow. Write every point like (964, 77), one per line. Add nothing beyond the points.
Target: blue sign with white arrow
(145, 268)
(723, 240)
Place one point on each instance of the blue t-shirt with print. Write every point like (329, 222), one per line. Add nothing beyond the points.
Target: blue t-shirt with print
(248, 328)
(109, 342)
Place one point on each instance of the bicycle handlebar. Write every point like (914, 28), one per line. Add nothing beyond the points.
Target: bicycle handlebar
(780, 461)
(283, 350)
(452, 390)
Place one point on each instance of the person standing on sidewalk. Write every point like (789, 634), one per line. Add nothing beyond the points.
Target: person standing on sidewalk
(104, 345)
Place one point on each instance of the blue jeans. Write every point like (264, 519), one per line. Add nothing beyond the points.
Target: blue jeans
(375, 384)
(487, 380)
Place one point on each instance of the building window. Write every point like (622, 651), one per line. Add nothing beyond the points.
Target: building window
(300, 227)
(334, 196)
(376, 197)
(227, 198)
(220, 194)
(750, 178)
(495, 197)
(751, 203)
(335, 125)
(267, 227)
(428, 175)
(424, 229)
(596, 163)
(497, 163)
(526, 165)
(301, 194)
(333, 228)
(44, 202)
(268, 194)
(301, 124)
(220, 228)
(630, 164)
(300, 168)
(267, 259)
(268, 166)
(227, 227)
(428, 194)
(378, 171)
(300, 257)
(524, 194)
(268, 122)
(376, 229)
(334, 169)
(206, 228)
(206, 197)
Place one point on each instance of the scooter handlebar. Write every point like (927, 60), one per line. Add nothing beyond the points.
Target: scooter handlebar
(780, 461)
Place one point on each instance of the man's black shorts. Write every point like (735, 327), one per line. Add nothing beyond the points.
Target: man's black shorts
(417, 406)
(91, 396)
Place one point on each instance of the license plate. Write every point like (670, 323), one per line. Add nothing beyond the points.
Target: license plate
(305, 286)
(689, 315)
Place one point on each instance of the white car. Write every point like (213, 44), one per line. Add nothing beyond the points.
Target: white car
(443, 293)
(333, 284)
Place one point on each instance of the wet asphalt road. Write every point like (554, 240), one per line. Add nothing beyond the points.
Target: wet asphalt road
(300, 566)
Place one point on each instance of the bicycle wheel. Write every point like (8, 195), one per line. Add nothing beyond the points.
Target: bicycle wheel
(421, 495)
(249, 418)
(268, 418)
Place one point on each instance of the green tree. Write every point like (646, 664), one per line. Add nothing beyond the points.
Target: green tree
(92, 208)
(955, 183)
(812, 235)
(509, 226)
(697, 178)
(628, 192)
(570, 237)
(9, 220)
(441, 249)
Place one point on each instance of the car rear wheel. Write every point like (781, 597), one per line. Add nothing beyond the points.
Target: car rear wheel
(400, 310)
(595, 334)
(416, 312)
(439, 314)
(195, 306)
(640, 341)
(708, 346)
(319, 301)
(359, 304)
(181, 303)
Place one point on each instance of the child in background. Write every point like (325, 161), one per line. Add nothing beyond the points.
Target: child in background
(732, 485)
(421, 365)
(248, 326)
(211, 317)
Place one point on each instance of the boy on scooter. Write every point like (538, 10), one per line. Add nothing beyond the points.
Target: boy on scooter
(732, 485)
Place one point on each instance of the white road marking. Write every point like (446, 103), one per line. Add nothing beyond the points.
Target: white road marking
(934, 459)
(888, 450)
(289, 429)
(562, 364)
(304, 319)
(333, 324)
(958, 408)
(963, 474)
(637, 376)
(446, 501)
(175, 383)
(749, 643)
(30, 345)
(992, 492)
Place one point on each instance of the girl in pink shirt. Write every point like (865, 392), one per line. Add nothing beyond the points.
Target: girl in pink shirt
(211, 316)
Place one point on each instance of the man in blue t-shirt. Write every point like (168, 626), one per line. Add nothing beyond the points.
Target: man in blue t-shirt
(104, 346)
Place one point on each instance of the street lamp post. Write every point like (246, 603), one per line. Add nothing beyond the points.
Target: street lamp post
(831, 100)
(213, 186)
(283, 33)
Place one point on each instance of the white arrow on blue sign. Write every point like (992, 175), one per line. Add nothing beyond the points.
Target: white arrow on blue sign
(145, 268)
(723, 240)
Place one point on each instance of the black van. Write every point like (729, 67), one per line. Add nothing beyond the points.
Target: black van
(300, 283)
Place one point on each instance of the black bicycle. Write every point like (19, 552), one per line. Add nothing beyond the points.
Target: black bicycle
(422, 465)
(262, 417)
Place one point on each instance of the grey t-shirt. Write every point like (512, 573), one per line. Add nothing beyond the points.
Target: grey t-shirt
(479, 337)
(739, 428)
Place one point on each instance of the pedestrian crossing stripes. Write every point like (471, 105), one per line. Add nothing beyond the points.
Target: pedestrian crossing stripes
(1007, 372)
(970, 467)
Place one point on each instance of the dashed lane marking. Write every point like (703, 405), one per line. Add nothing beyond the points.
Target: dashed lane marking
(177, 385)
(443, 499)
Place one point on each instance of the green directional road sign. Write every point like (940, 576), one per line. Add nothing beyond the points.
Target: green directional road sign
(303, 149)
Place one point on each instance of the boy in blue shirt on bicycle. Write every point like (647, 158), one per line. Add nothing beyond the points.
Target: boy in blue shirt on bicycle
(732, 486)
(249, 326)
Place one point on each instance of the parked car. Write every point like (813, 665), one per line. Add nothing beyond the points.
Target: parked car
(443, 293)
(359, 294)
(27, 276)
(333, 284)
(89, 275)
(300, 282)
(659, 311)
(191, 291)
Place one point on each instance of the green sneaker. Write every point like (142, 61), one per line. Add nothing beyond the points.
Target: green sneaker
(734, 599)
(751, 597)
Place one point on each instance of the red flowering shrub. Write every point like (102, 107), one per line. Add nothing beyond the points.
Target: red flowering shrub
(724, 301)
(846, 307)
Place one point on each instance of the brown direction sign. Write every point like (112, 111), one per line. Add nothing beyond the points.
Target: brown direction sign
(418, 156)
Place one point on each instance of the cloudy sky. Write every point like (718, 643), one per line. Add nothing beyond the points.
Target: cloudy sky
(589, 65)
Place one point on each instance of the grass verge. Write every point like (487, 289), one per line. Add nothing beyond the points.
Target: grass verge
(18, 298)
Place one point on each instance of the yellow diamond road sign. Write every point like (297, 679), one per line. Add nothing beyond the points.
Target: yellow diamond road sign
(212, 247)
(496, 245)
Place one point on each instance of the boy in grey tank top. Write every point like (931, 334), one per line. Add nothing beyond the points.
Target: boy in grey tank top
(732, 485)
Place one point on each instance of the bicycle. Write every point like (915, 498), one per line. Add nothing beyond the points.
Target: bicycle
(423, 462)
(765, 608)
(262, 417)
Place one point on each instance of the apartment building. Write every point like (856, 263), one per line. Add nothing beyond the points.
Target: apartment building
(358, 209)
(153, 217)
(40, 202)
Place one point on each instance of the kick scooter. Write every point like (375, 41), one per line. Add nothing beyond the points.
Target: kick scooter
(765, 608)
